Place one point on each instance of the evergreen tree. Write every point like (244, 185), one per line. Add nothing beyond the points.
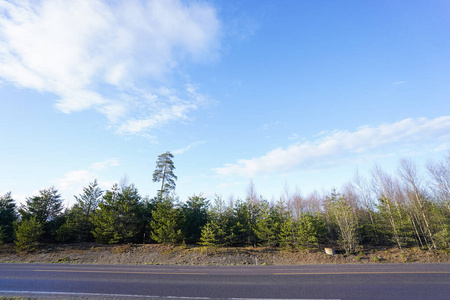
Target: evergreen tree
(79, 225)
(47, 209)
(345, 218)
(288, 232)
(218, 224)
(395, 223)
(8, 216)
(145, 217)
(115, 219)
(164, 174)
(166, 223)
(208, 235)
(194, 217)
(268, 225)
(243, 223)
(311, 231)
(2, 235)
(28, 233)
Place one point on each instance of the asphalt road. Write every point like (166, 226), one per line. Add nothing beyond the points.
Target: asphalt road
(377, 281)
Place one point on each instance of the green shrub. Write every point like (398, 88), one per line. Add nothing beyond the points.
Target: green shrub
(28, 233)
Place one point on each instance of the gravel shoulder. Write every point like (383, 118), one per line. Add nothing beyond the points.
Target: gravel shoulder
(132, 254)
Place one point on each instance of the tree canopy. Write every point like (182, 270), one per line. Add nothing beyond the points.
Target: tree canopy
(164, 173)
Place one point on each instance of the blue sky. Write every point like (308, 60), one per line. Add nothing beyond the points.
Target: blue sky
(284, 93)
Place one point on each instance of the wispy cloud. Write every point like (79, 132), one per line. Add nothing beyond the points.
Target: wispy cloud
(293, 137)
(340, 143)
(78, 178)
(98, 54)
(270, 125)
(163, 108)
(75, 178)
(399, 82)
(110, 162)
(187, 148)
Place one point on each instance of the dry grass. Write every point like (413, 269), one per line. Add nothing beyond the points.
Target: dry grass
(195, 255)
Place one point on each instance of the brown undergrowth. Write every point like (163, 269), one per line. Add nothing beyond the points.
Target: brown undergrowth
(90, 253)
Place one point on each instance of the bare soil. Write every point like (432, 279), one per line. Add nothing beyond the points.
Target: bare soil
(90, 253)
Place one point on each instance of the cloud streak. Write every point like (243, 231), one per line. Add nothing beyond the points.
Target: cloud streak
(100, 54)
(339, 144)
(78, 178)
(187, 148)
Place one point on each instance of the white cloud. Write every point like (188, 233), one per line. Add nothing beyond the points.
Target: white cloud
(79, 178)
(93, 54)
(270, 125)
(111, 162)
(399, 82)
(75, 178)
(187, 148)
(293, 137)
(340, 143)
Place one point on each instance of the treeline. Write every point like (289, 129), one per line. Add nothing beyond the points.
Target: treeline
(405, 209)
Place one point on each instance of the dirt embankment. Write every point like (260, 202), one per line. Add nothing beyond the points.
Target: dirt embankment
(194, 255)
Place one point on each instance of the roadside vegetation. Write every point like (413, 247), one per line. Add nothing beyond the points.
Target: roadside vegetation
(408, 209)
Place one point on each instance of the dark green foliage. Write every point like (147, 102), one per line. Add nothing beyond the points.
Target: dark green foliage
(8, 216)
(28, 233)
(2, 235)
(243, 224)
(166, 223)
(370, 228)
(397, 227)
(311, 231)
(115, 219)
(46, 208)
(144, 218)
(403, 214)
(164, 173)
(443, 237)
(288, 233)
(195, 216)
(79, 226)
(217, 230)
(440, 226)
(268, 225)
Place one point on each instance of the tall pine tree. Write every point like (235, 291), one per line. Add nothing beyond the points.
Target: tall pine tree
(164, 173)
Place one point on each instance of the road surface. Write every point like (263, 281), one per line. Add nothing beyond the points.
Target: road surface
(376, 281)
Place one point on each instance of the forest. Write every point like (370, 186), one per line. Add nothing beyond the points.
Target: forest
(408, 208)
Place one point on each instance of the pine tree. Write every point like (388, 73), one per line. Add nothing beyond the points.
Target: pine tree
(79, 225)
(47, 208)
(395, 222)
(219, 216)
(164, 174)
(28, 233)
(208, 235)
(268, 225)
(8, 216)
(2, 235)
(288, 233)
(166, 223)
(115, 218)
(194, 217)
(311, 230)
(243, 223)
